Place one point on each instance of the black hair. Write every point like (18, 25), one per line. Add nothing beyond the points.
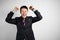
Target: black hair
(23, 7)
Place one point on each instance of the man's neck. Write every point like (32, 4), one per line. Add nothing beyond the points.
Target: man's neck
(24, 17)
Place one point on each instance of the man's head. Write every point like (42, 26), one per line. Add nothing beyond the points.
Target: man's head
(23, 11)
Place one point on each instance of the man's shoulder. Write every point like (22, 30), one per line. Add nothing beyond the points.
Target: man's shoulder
(17, 17)
(20, 17)
(29, 16)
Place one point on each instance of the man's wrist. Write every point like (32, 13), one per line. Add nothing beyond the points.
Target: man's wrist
(34, 9)
(13, 11)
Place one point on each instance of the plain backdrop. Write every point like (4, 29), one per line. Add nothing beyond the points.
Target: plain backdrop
(46, 29)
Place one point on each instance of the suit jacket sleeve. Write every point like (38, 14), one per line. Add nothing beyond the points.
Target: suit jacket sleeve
(38, 16)
(9, 18)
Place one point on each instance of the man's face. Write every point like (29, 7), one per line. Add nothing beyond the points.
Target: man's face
(24, 12)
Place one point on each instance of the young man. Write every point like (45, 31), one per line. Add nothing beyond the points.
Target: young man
(24, 22)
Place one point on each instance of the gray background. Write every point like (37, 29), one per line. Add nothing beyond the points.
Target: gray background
(46, 29)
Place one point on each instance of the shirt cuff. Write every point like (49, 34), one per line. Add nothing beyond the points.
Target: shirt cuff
(13, 11)
(34, 10)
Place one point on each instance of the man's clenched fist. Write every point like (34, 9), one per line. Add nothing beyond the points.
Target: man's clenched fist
(31, 8)
(15, 9)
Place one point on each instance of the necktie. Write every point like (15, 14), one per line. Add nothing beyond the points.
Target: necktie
(24, 21)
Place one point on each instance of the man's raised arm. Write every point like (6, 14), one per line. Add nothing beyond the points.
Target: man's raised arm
(37, 13)
(9, 17)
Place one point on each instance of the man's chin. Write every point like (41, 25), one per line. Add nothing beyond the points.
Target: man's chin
(24, 16)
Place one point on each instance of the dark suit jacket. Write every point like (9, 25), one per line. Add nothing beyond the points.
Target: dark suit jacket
(21, 29)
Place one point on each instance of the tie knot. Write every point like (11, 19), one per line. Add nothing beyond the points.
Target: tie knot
(24, 20)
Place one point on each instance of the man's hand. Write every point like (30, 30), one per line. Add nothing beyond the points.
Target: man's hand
(15, 9)
(31, 8)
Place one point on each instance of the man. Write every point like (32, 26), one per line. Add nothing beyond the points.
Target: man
(24, 22)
